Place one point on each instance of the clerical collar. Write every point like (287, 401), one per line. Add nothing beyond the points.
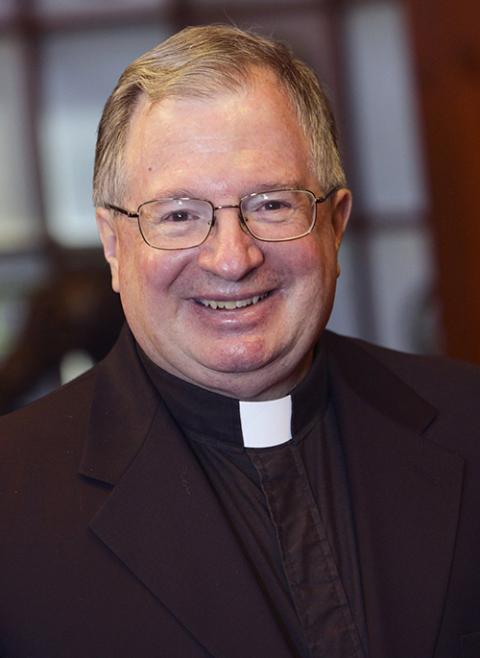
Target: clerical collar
(214, 418)
(266, 424)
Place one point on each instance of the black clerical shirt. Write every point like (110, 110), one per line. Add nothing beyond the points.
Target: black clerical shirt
(288, 506)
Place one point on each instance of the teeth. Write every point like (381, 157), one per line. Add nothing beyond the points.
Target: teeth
(231, 305)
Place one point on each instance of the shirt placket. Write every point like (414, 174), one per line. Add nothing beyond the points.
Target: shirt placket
(315, 584)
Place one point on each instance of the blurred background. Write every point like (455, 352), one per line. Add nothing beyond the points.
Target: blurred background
(404, 79)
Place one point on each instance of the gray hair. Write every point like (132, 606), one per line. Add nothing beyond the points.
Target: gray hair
(201, 62)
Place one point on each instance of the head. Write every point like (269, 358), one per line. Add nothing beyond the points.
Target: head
(218, 113)
(200, 62)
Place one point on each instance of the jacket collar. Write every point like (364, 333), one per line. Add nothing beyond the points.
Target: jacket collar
(123, 408)
(162, 518)
(405, 493)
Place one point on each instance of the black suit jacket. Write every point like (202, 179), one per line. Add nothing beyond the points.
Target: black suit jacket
(113, 544)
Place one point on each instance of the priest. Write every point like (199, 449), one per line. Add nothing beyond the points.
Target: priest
(233, 480)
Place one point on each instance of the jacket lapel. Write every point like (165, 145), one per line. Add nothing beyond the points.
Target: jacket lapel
(405, 493)
(163, 520)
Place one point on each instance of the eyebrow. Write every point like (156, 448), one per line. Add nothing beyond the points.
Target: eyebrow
(175, 194)
(180, 193)
(279, 185)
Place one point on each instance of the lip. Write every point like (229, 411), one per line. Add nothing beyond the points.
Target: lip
(228, 302)
(237, 318)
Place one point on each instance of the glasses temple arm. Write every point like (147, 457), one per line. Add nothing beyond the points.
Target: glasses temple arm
(128, 213)
(328, 194)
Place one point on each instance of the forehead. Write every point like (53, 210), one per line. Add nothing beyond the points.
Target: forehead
(232, 138)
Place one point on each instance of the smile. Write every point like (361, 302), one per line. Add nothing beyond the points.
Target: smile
(230, 305)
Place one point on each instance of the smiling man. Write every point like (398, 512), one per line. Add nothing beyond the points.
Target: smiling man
(233, 480)
(233, 306)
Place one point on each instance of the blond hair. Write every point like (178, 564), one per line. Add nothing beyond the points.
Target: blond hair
(202, 62)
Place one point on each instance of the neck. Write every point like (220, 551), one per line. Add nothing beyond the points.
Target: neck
(255, 386)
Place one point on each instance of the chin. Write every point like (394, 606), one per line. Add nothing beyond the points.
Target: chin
(249, 376)
(240, 357)
(248, 385)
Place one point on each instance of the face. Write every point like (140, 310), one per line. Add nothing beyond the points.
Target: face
(281, 293)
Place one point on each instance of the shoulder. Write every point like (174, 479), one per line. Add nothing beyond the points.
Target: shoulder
(53, 420)
(450, 386)
(74, 394)
(112, 402)
(413, 368)
(406, 387)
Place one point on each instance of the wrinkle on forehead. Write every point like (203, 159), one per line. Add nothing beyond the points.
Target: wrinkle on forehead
(166, 135)
(171, 107)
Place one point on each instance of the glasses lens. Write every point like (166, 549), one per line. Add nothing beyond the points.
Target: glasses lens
(280, 214)
(175, 223)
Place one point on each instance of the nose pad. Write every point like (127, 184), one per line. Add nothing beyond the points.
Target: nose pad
(243, 224)
(241, 219)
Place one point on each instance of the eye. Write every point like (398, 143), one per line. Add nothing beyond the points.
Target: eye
(273, 204)
(174, 213)
(179, 216)
(264, 204)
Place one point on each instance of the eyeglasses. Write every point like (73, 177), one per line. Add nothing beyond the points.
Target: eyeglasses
(272, 216)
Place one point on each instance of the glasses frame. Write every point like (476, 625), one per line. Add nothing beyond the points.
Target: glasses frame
(243, 223)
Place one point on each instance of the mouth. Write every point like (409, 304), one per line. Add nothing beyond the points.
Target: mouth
(232, 304)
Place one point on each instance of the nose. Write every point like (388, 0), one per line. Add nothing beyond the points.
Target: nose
(229, 252)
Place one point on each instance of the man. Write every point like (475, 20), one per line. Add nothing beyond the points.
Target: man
(233, 480)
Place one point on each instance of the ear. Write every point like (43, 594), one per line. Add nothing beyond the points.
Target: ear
(107, 229)
(342, 206)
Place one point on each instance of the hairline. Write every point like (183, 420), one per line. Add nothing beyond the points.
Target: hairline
(146, 102)
(168, 72)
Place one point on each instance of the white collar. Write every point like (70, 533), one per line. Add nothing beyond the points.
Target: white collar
(267, 423)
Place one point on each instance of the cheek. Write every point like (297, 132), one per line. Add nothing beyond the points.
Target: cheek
(313, 265)
(313, 276)
(148, 278)
(137, 272)
(323, 261)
